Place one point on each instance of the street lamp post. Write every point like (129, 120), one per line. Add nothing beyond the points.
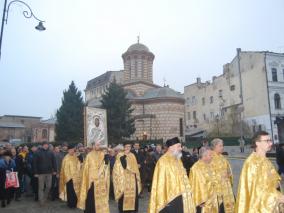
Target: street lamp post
(217, 120)
(27, 14)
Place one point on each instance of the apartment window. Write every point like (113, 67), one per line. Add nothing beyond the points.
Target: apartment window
(187, 101)
(194, 115)
(203, 101)
(204, 117)
(220, 93)
(180, 127)
(232, 87)
(193, 100)
(188, 116)
(212, 115)
(277, 101)
(274, 74)
(222, 112)
(211, 99)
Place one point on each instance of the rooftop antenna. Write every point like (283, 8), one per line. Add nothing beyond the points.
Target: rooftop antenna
(164, 79)
(138, 38)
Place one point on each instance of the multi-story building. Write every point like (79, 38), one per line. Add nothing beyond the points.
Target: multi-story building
(248, 93)
(158, 111)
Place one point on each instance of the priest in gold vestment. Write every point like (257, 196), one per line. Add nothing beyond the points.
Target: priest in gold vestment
(259, 181)
(202, 185)
(94, 189)
(171, 192)
(126, 180)
(223, 177)
(69, 181)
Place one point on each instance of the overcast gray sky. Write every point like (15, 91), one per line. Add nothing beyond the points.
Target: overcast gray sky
(85, 38)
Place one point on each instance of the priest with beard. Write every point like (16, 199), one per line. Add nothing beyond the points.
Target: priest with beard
(171, 191)
(69, 181)
(126, 180)
(94, 189)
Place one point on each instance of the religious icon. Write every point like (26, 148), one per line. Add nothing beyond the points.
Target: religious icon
(95, 126)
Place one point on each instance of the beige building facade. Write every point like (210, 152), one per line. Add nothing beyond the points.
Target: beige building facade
(244, 99)
(158, 111)
(26, 129)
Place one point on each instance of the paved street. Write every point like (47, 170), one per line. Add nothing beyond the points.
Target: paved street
(28, 206)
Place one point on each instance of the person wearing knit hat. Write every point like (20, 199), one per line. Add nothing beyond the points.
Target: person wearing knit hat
(171, 191)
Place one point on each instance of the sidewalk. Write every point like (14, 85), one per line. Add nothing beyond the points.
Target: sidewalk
(235, 153)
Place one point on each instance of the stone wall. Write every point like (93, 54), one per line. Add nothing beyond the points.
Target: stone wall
(165, 122)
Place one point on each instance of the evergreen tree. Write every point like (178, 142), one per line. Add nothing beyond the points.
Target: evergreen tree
(120, 123)
(70, 124)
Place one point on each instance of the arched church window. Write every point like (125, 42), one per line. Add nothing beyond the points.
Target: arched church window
(277, 101)
(136, 68)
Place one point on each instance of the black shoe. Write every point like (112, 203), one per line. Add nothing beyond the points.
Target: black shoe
(17, 199)
(3, 205)
(8, 201)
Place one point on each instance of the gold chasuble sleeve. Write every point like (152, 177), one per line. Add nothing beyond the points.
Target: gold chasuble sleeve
(169, 182)
(223, 177)
(69, 170)
(95, 171)
(257, 192)
(126, 180)
(203, 188)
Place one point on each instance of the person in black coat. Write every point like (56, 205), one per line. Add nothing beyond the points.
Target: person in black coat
(140, 158)
(44, 167)
(280, 158)
(30, 170)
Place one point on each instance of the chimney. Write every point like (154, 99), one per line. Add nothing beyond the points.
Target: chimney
(198, 80)
(239, 50)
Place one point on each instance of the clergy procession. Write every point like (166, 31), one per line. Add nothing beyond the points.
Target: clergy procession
(88, 177)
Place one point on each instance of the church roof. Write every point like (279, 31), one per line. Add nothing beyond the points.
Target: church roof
(156, 93)
(163, 92)
(138, 47)
(95, 102)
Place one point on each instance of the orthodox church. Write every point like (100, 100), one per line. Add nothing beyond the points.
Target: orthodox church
(158, 110)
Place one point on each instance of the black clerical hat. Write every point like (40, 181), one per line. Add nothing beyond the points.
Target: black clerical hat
(172, 141)
(71, 146)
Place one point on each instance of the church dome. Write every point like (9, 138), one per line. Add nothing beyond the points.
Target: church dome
(138, 47)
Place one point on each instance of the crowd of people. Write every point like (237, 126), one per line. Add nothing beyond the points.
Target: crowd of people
(179, 180)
